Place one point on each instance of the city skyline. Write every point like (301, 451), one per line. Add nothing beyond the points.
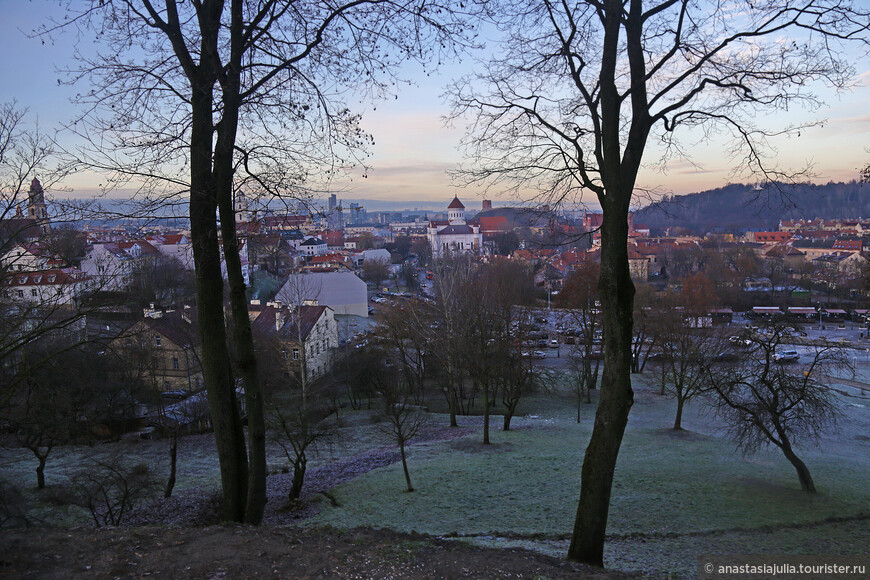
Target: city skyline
(414, 150)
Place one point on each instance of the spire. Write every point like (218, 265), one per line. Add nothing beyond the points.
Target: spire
(455, 204)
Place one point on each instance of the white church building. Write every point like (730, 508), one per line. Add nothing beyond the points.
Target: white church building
(454, 235)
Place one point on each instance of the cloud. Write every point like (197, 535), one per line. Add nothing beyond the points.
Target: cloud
(851, 125)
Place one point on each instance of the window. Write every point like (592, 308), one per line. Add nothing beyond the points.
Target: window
(295, 354)
(158, 340)
(175, 364)
(33, 292)
(21, 293)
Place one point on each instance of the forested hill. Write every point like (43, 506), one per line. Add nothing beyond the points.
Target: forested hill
(741, 207)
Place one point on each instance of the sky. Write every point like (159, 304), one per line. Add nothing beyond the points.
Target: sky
(414, 150)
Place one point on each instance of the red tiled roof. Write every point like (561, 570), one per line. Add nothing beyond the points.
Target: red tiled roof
(498, 223)
(455, 204)
(44, 278)
(850, 245)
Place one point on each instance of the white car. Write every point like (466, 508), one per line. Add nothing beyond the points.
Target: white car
(787, 356)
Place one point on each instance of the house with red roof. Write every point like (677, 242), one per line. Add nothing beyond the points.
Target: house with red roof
(848, 246)
(47, 288)
(770, 237)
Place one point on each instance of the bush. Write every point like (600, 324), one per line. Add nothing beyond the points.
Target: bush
(110, 489)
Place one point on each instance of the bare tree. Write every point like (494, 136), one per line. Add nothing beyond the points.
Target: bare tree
(25, 152)
(769, 399)
(574, 97)
(110, 488)
(375, 270)
(687, 353)
(300, 429)
(404, 417)
(579, 296)
(450, 275)
(205, 100)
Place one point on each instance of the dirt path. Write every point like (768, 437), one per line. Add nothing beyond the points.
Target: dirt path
(195, 507)
(234, 552)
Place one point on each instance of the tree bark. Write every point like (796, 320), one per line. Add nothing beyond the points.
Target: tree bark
(173, 459)
(803, 471)
(405, 466)
(40, 472)
(485, 415)
(223, 408)
(299, 466)
(616, 291)
(678, 420)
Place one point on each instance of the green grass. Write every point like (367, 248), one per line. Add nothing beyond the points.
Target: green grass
(528, 481)
(675, 494)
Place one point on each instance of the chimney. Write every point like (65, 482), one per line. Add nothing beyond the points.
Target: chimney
(280, 317)
(487, 205)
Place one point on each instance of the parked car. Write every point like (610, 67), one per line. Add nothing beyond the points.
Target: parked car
(175, 395)
(787, 356)
(554, 343)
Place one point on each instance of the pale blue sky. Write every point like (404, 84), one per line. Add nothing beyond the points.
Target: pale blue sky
(413, 149)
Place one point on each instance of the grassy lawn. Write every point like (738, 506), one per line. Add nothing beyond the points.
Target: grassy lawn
(527, 481)
(676, 494)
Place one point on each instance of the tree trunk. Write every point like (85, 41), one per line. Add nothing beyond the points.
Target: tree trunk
(173, 456)
(40, 471)
(803, 472)
(299, 466)
(244, 341)
(405, 466)
(485, 415)
(678, 420)
(223, 408)
(617, 295)
(247, 361)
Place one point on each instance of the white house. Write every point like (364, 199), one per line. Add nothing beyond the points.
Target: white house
(28, 257)
(455, 235)
(313, 247)
(308, 335)
(48, 288)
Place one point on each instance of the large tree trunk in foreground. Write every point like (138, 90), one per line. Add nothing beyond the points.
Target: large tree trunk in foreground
(617, 293)
(223, 408)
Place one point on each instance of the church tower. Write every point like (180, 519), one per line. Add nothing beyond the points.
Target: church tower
(241, 208)
(456, 212)
(36, 208)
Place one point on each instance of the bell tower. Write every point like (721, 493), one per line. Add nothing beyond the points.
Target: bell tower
(36, 208)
